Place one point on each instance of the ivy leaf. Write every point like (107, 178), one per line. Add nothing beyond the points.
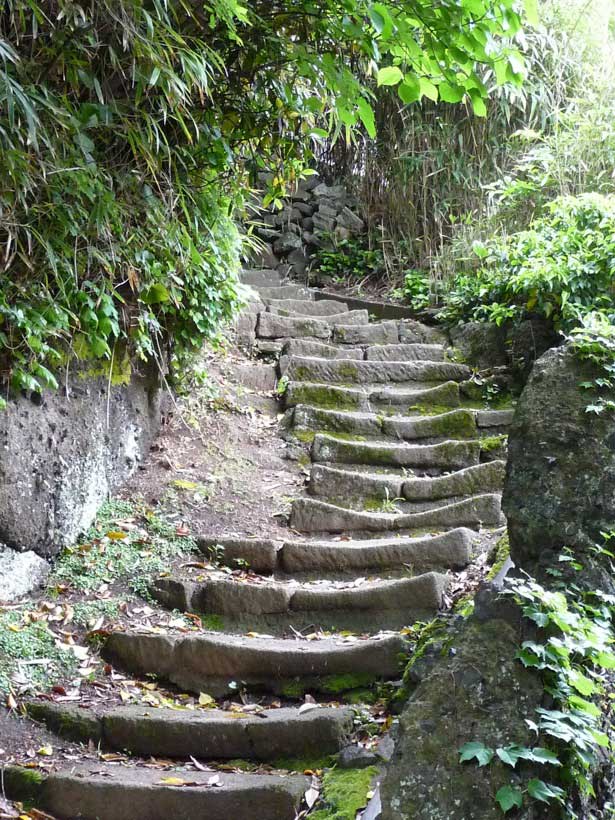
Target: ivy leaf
(477, 750)
(541, 755)
(545, 792)
(390, 75)
(584, 705)
(508, 755)
(581, 683)
(509, 797)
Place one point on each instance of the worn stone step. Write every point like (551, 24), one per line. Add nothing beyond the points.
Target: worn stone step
(315, 419)
(494, 418)
(457, 423)
(261, 554)
(271, 326)
(448, 455)
(405, 353)
(98, 791)
(215, 663)
(448, 550)
(413, 332)
(260, 277)
(326, 396)
(348, 371)
(283, 292)
(443, 395)
(311, 515)
(372, 334)
(481, 478)
(335, 483)
(321, 350)
(229, 596)
(454, 424)
(297, 307)
(206, 734)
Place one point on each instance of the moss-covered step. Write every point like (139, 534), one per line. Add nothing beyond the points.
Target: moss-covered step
(207, 734)
(378, 333)
(235, 597)
(481, 478)
(348, 371)
(338, 483)
(311, 515)
(457, 423)
(306, 417)
(448, 455)
(98, 791)
(447, 550)
(207, 662)
(303, 307)
(405, 353)
(325, 395)
(259, 553)
(443, 395)
(260, 278)
(283, 292)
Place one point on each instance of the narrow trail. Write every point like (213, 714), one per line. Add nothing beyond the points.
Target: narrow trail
(401, 495)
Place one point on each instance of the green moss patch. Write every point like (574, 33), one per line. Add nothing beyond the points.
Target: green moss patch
(344, 793)
(490, 443)
(501, 554)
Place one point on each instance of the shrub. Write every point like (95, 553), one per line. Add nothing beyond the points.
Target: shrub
(560, 268)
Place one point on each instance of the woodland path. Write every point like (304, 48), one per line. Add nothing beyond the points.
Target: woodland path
(402, 494)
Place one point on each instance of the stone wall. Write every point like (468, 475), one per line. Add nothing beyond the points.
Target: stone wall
(315, 215)
(63, 453)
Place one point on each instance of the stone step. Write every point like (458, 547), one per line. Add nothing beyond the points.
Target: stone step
(347, 485)
(283, 292)
(494, 418)
(260, 278)
(229, 596)
(413, 332)
(454, 424)
(448, 455)
(297, 307)
(216, 664)
(311, 515)
(450, 549)
(481, 478)
(405, 353)
(261, 554)
(207, 734)
(349, 371)
(326, 396)
(444, 395)
(305, 347)
(447, 550)
(99, 791)
(372, 334)
(271, 326)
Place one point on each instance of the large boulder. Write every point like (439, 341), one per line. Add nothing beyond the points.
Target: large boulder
(559, 489)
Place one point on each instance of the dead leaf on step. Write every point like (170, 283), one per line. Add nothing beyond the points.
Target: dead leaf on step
(45, 751)
(206, 700)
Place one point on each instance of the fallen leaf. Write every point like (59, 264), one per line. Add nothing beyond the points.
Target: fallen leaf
(311, 796)
(45, 751)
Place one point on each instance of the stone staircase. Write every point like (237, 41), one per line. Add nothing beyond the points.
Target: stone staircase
(401, 494)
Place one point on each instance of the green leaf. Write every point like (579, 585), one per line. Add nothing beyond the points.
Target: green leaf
(410, 90)
(451, 93)
(155, 294)
(366, 114)
(544, 792)
(541, 755)
(477, 750)
(581, 683)
(509, 797)
(478, 103)
(390, 75)
(428, 89)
